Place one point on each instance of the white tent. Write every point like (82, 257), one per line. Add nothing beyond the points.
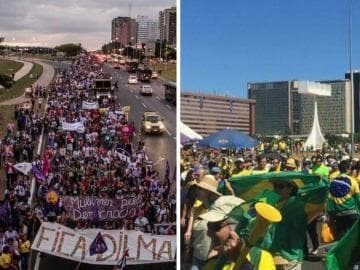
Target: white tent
(315, 138)
(188, 132)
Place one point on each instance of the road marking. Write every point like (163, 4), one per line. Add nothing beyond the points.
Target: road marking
(158, 98)
(137, 97)
(168, 132)
(144, 105)
(168, 106)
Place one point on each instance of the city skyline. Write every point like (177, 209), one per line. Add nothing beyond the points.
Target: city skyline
(224, 47)
(52, 23)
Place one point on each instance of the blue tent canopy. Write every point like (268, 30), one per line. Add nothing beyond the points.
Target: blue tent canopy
(228, 138)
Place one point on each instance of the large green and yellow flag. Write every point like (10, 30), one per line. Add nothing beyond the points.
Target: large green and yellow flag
(345, 252)
(285, 238)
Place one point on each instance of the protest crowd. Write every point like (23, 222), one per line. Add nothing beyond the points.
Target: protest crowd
(315, 193)
(90, 154)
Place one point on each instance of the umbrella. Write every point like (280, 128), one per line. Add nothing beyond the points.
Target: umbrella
(228, 138)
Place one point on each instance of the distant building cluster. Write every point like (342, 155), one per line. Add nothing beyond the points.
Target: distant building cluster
(274, 108)
(144, 30)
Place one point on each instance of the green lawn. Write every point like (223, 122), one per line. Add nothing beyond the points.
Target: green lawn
(18, 87)
(7, 114)
(168, 71)
(9, 67)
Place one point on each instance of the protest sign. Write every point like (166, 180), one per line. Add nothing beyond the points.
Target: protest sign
(90, 105)
(61, 241)
(78, 127)
(84, 208)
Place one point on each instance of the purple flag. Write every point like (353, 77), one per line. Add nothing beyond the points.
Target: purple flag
(98, 246)
(38, 174)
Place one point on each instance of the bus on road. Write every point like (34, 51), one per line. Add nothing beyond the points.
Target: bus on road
(170, 92)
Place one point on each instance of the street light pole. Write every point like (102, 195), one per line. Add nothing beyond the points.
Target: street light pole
(351, 83)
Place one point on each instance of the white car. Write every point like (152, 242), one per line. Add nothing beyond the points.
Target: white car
(146, 90)
(132, 80)
(154, 75)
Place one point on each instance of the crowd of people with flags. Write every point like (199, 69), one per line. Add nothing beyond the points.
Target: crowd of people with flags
(87, 153)
(309, 197)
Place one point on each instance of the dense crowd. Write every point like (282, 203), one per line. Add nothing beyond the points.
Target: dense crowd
(212, 186)
(100, 158)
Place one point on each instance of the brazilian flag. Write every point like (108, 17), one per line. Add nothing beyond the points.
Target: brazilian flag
(345, 252)
(285, 238)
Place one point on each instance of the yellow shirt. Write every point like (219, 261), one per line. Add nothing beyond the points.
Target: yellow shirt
(334, 174)
(24, 247)
(244, 172)
(5, 260)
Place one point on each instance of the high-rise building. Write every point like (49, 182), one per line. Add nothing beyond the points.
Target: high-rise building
(356, 77)
(207, 114)
(167, 24)
(123, 30)
(280, 109)
(146, 29)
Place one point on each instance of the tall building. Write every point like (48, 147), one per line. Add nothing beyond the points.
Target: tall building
(167, 24)
(356, 77)
(207, 114)
(146, 29)
(123, 30)
(280, 109)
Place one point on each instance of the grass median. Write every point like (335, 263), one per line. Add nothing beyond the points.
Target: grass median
(19, 86)
(9, 67)
(168, 71)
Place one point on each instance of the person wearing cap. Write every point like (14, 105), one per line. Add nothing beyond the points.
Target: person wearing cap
(245, 167)
(226, 242)
(223, 184)
(197, 227)
(343, 202)
(334, 170)
(320, 168)
(238, 166)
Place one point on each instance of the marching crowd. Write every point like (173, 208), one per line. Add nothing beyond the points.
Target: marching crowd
(213, 186)
(87, 152)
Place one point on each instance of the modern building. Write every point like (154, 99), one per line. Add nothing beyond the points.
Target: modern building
(280, 109)
(356, 77)
(146, 29)
(123, 30)
(167, 24)
(207, 114)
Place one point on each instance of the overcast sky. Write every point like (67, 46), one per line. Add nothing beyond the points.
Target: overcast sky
(54, 22)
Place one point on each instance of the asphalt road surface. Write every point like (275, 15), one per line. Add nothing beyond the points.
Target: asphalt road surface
(159, 148)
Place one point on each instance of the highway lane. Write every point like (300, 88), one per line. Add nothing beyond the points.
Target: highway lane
(158, 148)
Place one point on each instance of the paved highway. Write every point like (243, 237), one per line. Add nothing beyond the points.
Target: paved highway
(158, 148)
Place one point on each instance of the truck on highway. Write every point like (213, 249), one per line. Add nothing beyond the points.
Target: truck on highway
(144, 74)
(132, 67)
(103, 92)
(170, 92)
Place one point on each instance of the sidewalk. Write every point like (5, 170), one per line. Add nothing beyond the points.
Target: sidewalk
(44, 80)
(24, 70)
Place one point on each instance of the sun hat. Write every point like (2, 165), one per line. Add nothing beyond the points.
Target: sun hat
(291, 163)
(209, 183)
(221, 208)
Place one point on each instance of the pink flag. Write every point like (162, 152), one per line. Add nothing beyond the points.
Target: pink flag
(46, 164)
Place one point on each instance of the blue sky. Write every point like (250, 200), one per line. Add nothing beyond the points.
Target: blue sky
(226, 44)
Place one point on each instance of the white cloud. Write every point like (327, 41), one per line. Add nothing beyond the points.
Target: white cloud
(80, 21)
